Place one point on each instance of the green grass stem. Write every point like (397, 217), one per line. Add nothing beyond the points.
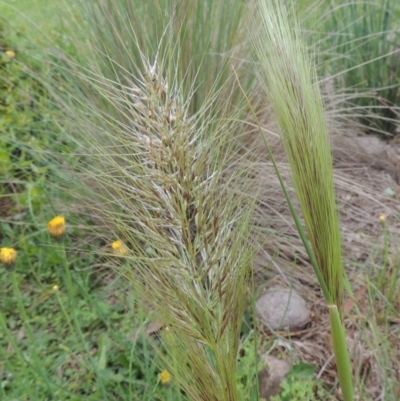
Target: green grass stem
(341, 353)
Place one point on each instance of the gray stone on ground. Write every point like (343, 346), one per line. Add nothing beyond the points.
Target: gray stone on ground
(271, 377)
(282, 309)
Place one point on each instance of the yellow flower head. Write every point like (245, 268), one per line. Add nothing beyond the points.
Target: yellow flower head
(56, 226)
(165, 377)
(10, 54)
(8, 256)
(55, 288)
(119, 248)
(382, 219)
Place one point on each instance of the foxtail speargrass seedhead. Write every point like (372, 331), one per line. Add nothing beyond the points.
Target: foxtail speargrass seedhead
(156, 113)
(171, 184)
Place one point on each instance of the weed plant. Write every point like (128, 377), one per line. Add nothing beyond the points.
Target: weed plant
(299, 385)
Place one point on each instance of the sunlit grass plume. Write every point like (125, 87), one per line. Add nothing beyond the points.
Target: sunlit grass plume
(156, 123)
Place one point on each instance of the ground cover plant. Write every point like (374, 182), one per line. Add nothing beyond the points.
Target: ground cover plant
(156, 122)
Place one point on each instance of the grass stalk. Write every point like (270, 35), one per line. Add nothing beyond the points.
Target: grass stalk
(168, 182)
(341, 354)
(291, 84)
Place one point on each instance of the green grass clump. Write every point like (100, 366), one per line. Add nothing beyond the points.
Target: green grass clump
(64, 335)
(360, 48)
(37, 11)
(23, 123)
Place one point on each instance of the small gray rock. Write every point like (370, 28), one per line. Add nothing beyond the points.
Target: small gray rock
(271, 377)
(281, 308)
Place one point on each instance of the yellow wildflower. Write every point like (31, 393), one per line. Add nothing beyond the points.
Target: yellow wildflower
(165, 377)
(8, 256)
(382, 219)
(10, 54)
(56, 226)
(119, 248)
(55, 288)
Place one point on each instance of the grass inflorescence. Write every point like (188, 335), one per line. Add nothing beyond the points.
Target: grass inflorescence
(292, 87)
(170, 182)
